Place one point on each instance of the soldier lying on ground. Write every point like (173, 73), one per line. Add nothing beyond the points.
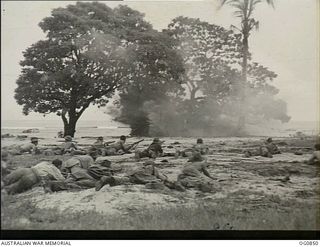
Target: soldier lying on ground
(267, 149)
(4, 166)
(120, 147)
(195, 174)
(31, 147)
(315, 158)
(272, 147)
(102, 167)
(23, 179)
(100, 146)
(75, 170)
(71, 147)
(148, 174)
(99, 143)
(81, 172)
(199, 147)
(153, 151)
(4, 169)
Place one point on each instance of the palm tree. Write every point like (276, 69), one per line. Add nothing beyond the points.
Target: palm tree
(244, 11)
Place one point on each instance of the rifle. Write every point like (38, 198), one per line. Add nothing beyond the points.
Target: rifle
(134, 144)
(107, 143)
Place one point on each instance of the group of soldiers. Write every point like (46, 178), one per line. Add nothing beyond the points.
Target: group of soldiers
(91, 168)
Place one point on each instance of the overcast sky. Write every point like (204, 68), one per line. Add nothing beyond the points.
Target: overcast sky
(287, 43)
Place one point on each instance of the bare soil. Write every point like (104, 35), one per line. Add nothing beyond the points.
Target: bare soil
(249, 184)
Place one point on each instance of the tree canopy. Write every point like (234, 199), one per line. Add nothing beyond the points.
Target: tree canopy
(212, 61)
(90, 51)
(160, 76)
(210, 53)
(185, 77)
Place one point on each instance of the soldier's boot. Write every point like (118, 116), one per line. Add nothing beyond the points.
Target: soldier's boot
(47, 188)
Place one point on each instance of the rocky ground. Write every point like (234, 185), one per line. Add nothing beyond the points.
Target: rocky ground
(249, 184)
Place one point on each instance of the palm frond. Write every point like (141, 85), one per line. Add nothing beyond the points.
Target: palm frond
(223, 2)
(270, 2)
(244, 8)
(238, 13)
(255, 2)
(250, 8)
(228, 2)
(238, 6)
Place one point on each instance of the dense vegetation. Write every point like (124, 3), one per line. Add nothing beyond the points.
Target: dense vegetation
(185, 80)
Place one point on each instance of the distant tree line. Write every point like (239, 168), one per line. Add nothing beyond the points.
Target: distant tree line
(181, 81)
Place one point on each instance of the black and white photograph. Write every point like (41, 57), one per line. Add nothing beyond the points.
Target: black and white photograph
(186, 115)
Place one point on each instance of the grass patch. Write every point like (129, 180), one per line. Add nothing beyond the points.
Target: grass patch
(221, 216)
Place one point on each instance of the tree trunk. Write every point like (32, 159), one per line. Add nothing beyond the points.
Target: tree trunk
(70, 128)
(242, 88)
(193, 94)
(73, 114)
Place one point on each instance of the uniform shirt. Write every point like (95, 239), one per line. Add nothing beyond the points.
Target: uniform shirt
(69, 145)
(78, 166)
(98, 144)
(197, 165)
(28, 147)
(47, 170)
(201, 148)
(272, 148)
(103, 161)
(147, 173)
(83, 161)
(195, 169)
(156, 147)
(119, 145)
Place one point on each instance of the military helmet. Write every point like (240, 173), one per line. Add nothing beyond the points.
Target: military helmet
(34, 139)
(199, 141)
(156, 140)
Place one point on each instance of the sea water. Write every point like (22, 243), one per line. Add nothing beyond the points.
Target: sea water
(90, 128)
(48, 130)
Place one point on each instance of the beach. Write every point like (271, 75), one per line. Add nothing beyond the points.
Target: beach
(109, 129)
(249, 194)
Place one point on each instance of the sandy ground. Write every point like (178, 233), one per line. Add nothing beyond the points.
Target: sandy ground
(251, 182)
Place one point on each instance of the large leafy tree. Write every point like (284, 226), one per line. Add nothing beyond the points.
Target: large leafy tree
(244, 10)
(209, 52)
(212, 61)
(90, 50)
(211, 56)
(160, 69)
